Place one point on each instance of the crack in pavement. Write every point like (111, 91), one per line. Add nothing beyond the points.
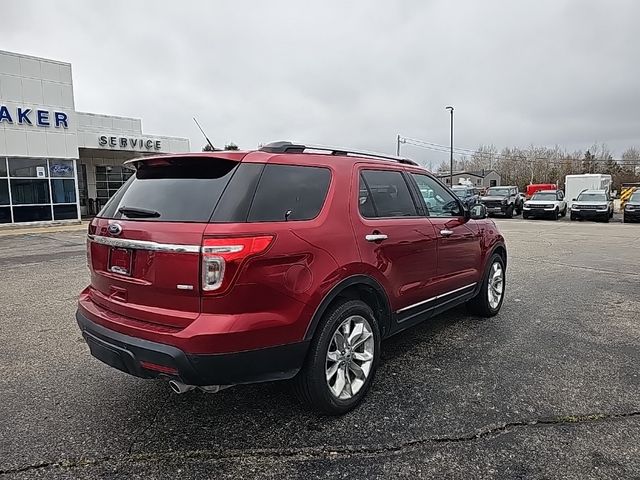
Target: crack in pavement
(321, 451)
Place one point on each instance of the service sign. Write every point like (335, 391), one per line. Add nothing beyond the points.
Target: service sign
(129, 143)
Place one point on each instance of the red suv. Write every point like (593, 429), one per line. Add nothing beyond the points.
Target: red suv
(220, 268)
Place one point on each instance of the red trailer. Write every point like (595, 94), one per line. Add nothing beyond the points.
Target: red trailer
(536, 187)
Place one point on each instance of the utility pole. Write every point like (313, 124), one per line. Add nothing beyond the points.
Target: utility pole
(398, 145)
(451, 158)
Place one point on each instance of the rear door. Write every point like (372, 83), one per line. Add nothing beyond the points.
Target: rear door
(459, 249)
(144, 246)
(394, 237)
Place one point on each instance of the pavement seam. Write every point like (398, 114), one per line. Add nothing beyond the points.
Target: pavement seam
(323, 451)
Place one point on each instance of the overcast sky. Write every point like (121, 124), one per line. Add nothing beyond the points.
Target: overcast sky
(352, 73)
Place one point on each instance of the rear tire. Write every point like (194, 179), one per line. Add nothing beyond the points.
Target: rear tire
(485, 303)
(313, 384)
(564, 212)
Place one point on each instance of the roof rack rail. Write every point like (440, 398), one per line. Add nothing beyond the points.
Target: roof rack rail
(289, 147)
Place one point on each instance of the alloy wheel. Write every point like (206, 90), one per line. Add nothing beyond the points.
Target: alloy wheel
(495, 285)
(349, 357)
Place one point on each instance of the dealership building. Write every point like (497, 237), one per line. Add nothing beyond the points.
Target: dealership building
(57, 164)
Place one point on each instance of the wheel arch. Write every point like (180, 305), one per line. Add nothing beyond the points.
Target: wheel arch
(356, 287)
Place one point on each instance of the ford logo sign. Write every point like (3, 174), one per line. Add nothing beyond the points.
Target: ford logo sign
(114, 229)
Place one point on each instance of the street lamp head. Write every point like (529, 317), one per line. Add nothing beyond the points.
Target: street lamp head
(449, 108)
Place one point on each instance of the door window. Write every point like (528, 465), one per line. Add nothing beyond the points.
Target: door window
(384, 193)
(440, 203)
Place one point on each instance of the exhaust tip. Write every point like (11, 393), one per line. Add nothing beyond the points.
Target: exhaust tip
(179, 387)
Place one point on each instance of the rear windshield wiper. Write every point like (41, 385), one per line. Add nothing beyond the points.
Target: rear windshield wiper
(133, 212)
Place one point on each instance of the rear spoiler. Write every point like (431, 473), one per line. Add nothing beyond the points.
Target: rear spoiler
(234, 156)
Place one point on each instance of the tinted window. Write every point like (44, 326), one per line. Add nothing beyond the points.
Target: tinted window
(172, 190)
(440, 203)
(4, 192)
(287, 192)
(236, 200)
(384, 193)
(26, 191)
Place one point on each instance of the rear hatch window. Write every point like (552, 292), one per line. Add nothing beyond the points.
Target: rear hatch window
(171, 190)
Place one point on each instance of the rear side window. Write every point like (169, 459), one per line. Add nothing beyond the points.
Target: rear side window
(172, 190)
(288, 192)
(384, 193)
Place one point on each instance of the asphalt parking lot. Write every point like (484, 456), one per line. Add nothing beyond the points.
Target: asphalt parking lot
(550, 388)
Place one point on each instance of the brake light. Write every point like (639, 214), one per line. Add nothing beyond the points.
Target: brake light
(222, 257)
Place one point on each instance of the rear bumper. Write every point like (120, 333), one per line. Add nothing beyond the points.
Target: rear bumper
(126, 354)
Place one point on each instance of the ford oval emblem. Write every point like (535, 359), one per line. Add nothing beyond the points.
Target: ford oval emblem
(114, 229)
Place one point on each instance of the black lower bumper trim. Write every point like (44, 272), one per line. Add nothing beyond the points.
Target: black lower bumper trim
(125, 353)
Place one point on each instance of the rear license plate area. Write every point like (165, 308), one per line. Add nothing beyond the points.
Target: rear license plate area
(120, 261)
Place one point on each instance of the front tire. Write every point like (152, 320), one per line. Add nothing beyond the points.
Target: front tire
(342, 359)
(509, 212)
(556, 214)
(488, 301)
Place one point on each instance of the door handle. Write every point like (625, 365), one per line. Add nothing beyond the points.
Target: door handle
(375, 237)
(446, 233)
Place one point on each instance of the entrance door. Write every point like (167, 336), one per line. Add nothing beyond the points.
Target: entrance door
(83, 190)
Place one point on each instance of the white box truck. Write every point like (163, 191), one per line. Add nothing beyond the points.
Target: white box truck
(574, 184)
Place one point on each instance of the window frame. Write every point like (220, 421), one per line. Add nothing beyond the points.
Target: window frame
(419, 206)
(416, 191)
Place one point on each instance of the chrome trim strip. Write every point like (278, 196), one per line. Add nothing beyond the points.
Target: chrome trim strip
(143, 245)
(438, 297)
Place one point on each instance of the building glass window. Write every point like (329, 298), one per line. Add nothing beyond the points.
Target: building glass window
(4, 191)
(5, 214)
(28, 167)
(65, 212)
(32, 213)
(61, 168)
(29, 191)
(37, 190)
(63, 190)
(109, 179)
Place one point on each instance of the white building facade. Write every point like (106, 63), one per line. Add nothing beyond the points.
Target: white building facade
(58, 165)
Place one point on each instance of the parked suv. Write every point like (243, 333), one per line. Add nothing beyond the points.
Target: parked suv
(503, 200)
(545, 203)
(632, 208)
(592, 205)
(221, 268)
(469, 195)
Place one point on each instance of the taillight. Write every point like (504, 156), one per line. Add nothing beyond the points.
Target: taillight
(222, 257)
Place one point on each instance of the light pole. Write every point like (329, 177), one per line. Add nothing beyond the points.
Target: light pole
(451, 158)
(398, 145)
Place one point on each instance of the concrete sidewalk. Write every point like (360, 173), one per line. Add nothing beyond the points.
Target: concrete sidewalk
(34, 230)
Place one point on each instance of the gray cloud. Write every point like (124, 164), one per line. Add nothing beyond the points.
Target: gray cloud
(356, 73)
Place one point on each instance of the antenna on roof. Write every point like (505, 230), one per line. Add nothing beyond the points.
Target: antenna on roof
(204, 134)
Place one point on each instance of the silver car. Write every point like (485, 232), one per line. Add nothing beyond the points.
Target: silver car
(592, 205)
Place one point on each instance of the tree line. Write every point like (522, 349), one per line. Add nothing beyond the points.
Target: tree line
(523, 166)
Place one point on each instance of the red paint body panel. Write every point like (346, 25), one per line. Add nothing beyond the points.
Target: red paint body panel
(274, 295)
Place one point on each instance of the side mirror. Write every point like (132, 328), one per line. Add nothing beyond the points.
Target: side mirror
(478, 212)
